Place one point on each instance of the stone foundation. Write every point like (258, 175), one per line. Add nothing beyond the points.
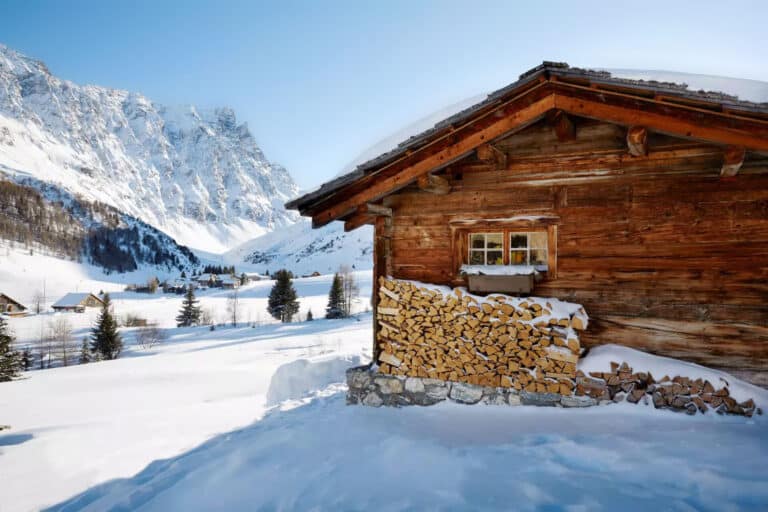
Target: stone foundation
(369, 387)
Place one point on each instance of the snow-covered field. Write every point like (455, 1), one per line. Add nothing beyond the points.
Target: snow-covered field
(253, 418)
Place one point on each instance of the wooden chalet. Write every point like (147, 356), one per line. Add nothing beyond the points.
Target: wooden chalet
(77, 302)
(643, 201)
(11, 307)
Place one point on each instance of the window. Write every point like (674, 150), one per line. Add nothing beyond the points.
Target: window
(528, 248)
(486, 248)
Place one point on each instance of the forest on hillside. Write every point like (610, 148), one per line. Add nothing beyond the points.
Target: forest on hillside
(74, 228)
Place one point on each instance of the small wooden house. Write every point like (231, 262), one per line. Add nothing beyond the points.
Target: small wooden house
(11, 307)
(645, 202)
(77, 302)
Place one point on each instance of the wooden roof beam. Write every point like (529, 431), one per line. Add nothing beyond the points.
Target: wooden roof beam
(514, 121)
(733, 158)
(434, 184)
(563, 126)
(637, 141)
(365, 214)
(700, 125)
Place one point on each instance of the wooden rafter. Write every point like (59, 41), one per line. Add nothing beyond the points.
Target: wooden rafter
(673, 120)
(637, 141)
(639, 113)
(366, 214)
(434, 184)
(516, 120)
(563, 126)
(733, 158)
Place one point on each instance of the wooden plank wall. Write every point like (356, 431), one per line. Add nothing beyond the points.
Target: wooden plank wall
(664, 254)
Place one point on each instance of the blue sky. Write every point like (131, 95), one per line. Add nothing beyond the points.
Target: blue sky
(319, 82)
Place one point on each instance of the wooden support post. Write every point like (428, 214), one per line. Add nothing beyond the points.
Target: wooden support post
(381, 268)
(637, 141)
(434, 184)
(733, 158)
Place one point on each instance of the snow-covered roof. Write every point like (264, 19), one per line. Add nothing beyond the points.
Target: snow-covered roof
(8, 298)
(73, 299)
(746, 96)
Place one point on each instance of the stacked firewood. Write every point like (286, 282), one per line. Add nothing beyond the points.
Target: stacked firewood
(677, 393)
(497, 341)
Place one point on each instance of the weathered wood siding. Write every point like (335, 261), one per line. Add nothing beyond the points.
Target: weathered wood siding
(664, 254)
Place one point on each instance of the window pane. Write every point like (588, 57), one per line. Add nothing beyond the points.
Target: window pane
(476, 257)
(518, 241)
(538, 240)
(495, 258)
(518, 258)
(494, 240)
(538, 257)
(477, 241)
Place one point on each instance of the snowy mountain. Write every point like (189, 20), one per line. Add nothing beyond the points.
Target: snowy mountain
(196, 174)
(304, 250)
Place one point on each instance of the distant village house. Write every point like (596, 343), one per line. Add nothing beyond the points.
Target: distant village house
(77, 302)
(10, 306)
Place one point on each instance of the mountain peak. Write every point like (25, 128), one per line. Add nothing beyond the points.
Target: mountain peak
(195, 173)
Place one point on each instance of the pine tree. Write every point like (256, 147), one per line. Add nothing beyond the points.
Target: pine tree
(335, 308)
(309, 316)
(190, 311)
(106, 340)
(10, 360)
(85, 353)
(27, 359)
(282, 303)
(183, 275)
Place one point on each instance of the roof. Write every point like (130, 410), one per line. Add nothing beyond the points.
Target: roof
(71, 300)
(672, 93)
(11, 299)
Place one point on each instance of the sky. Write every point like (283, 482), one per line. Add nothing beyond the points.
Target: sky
(320, 82)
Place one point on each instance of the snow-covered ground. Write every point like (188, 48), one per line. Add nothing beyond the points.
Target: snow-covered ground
(253, 418)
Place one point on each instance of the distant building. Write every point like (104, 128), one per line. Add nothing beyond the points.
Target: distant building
(77, 302)
(177, 287)
(11, 307)
(228, 282)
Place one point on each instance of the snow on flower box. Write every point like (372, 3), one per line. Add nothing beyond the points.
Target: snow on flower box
(516, 279)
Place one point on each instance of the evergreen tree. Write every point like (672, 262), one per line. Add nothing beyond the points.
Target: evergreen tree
(10, 360)
(244, 278)
(335, 308)
(282, 302)
(183, 275)
(85, 354)
(27, 359)
(190, 311)
(309, 316)
(106, 340)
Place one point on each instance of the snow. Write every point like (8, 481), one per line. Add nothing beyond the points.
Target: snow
(745, 89)
(304, 250)
(194, 174)
(298, 378)
(498, 270)
(255, 419)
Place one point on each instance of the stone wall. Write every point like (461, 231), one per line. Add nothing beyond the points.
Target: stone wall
(371, 388)
(434, 332)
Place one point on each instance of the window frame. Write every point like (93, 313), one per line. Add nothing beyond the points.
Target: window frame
(485, 250)
(462, 228)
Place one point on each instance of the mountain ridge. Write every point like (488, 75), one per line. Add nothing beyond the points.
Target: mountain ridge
(195, 173)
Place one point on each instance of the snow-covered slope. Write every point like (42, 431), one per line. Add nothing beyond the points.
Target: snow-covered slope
(196, 174)
(304, 250)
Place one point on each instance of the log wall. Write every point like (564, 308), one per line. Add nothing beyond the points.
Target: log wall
(664, 254)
